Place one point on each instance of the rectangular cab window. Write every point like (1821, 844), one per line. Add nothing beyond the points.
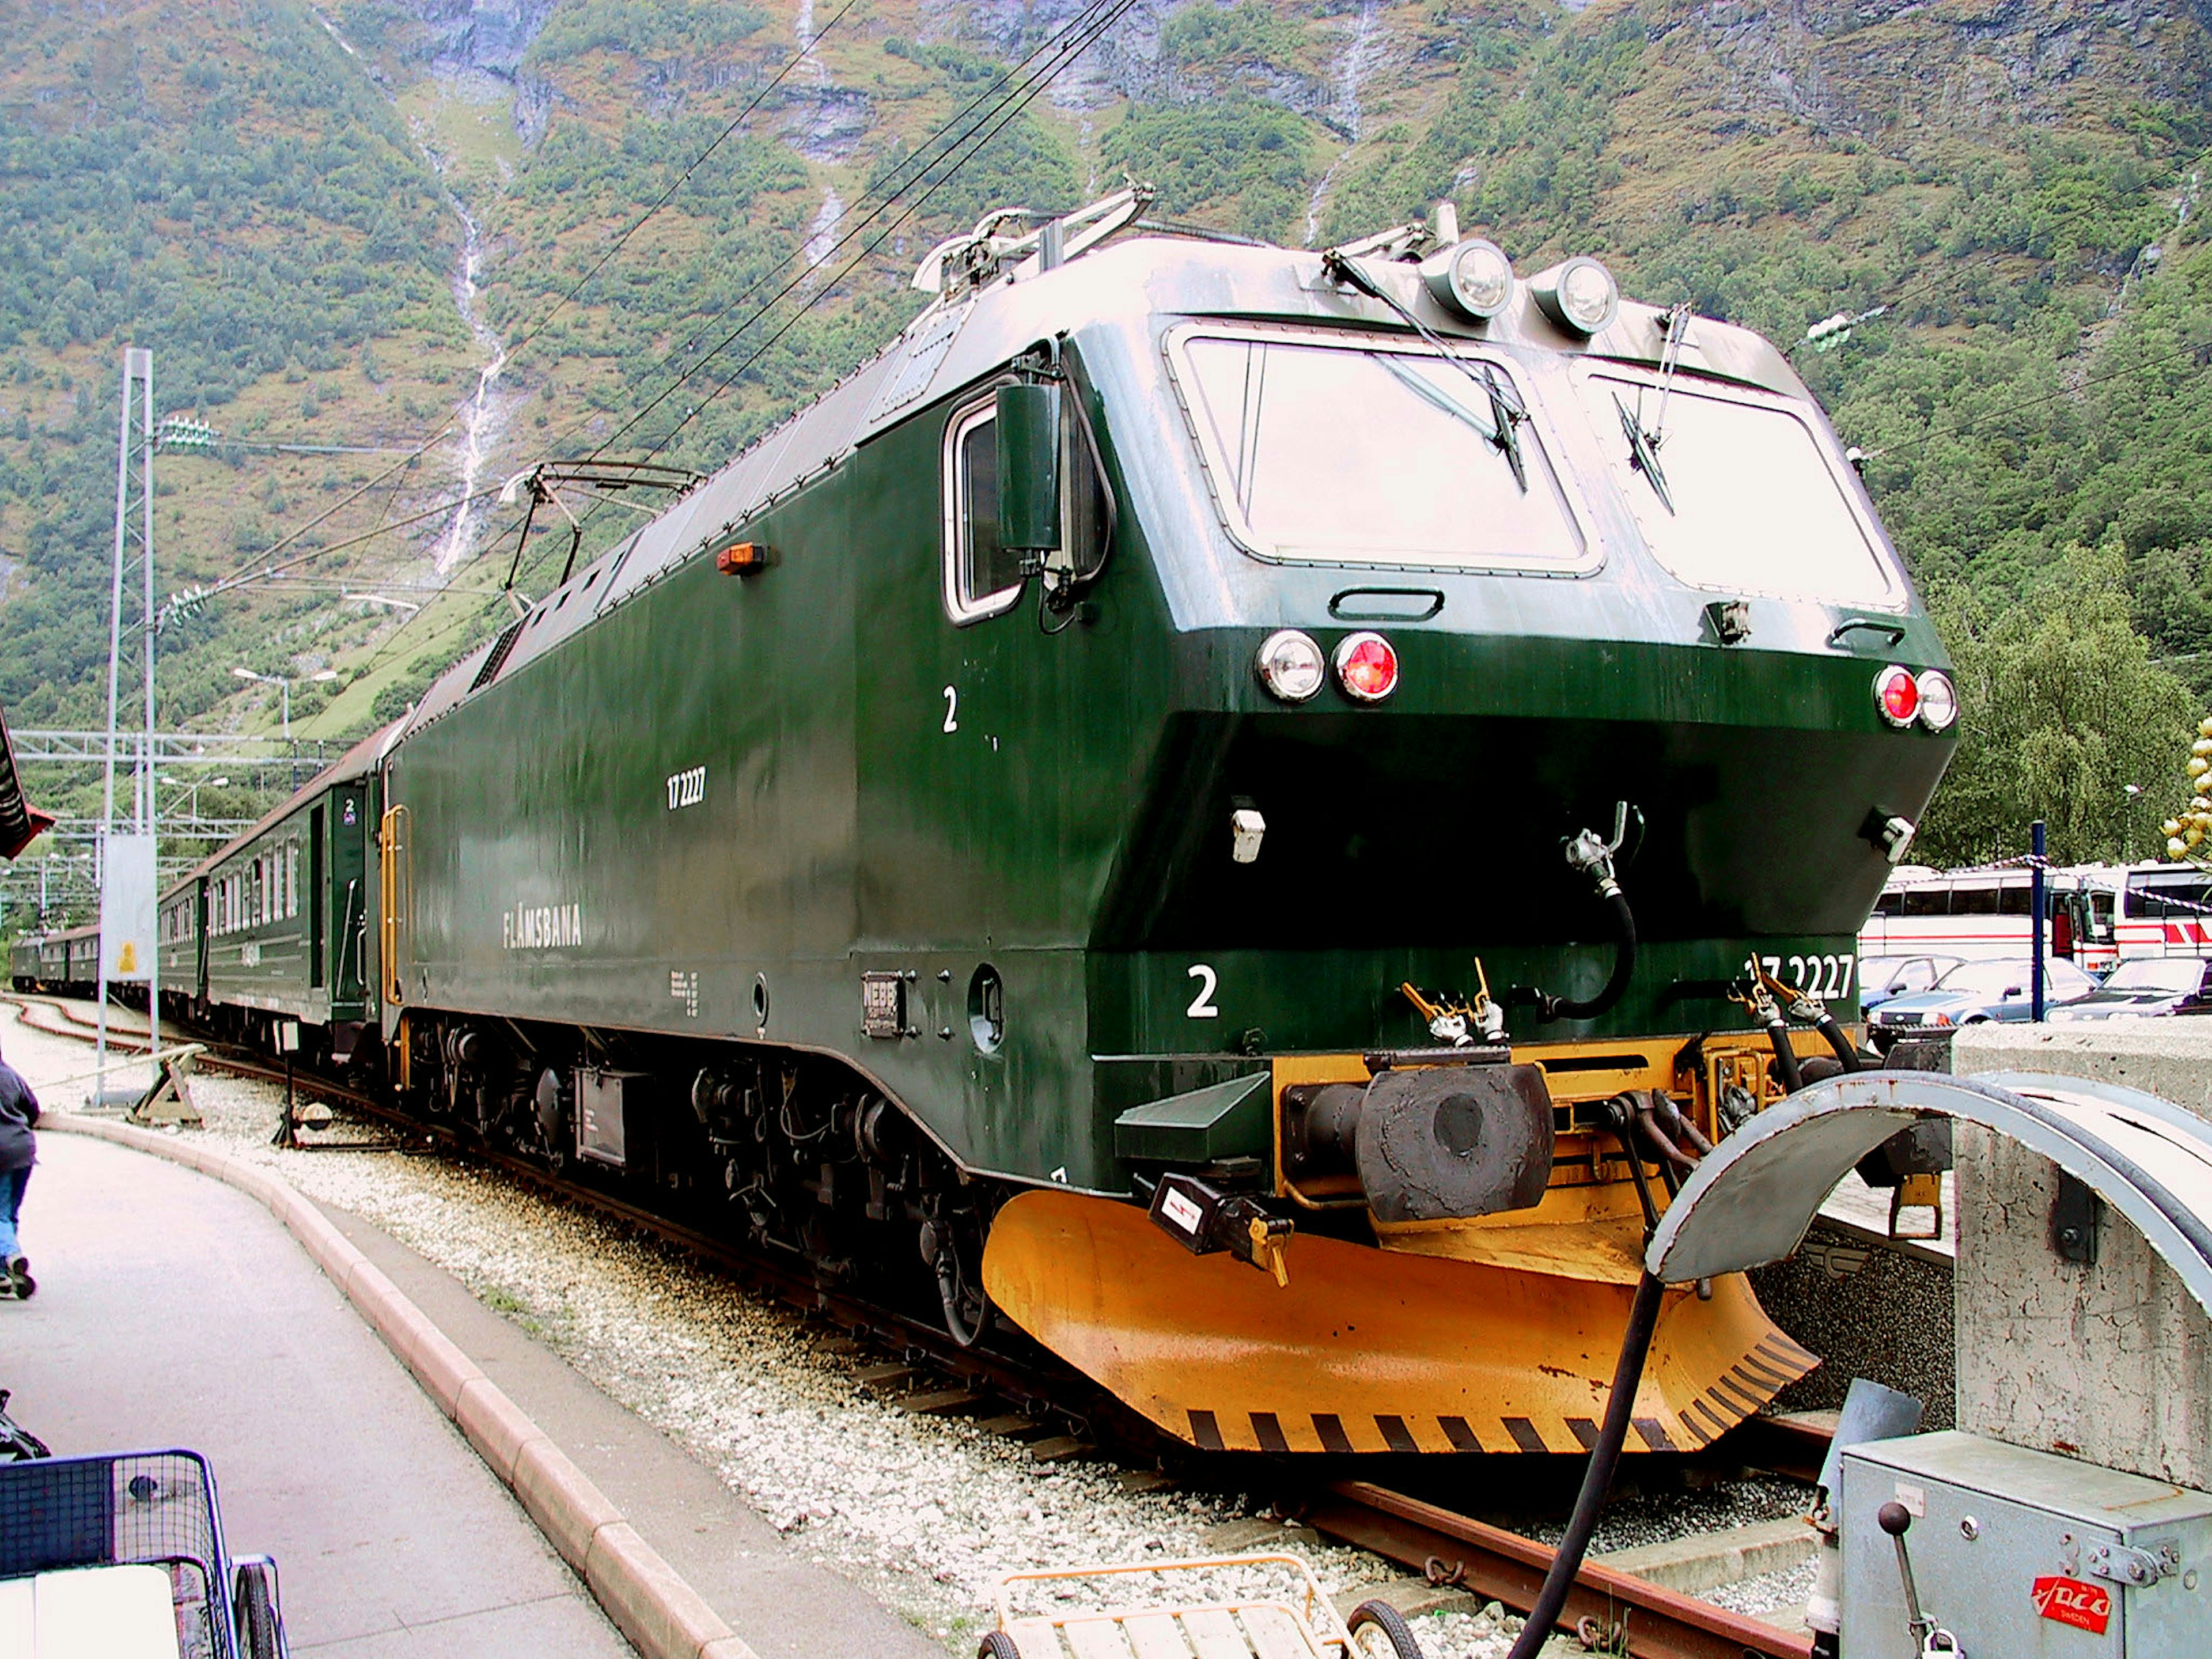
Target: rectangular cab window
(982, 578)
(1373, 450)
(1753, 504)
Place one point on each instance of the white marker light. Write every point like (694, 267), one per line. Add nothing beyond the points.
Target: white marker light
(1291, 666)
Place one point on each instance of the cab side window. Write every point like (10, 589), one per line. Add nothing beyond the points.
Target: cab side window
(981, 578)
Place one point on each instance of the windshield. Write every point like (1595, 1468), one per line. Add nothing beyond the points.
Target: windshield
(1343, 454)
(1749, 505)
(2159, 976)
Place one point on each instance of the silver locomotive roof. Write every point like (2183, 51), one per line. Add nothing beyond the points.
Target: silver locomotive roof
(1000, 293)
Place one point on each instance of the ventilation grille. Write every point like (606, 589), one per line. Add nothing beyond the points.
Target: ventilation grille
(497, 657)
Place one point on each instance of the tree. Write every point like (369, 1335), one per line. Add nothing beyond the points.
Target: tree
(2060, 709)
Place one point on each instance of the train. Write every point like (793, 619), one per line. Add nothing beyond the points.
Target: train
(1237, 814)
(65, 961)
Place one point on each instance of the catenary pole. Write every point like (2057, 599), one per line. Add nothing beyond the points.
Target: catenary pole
(150, 822)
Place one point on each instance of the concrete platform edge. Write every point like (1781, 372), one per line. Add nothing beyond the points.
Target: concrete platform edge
(648, 1601)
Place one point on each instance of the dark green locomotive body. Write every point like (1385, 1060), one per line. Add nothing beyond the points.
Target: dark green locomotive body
(981, 848)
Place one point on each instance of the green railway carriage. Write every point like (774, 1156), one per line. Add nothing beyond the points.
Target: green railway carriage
(69, 961)
(1114, 745)
(278, 925)
(23, 962)
(181, 941)
(83, 972)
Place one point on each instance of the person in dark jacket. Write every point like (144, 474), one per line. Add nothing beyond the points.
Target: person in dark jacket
(19, 1150)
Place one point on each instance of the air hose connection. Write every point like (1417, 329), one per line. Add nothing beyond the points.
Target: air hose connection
(1591, 854)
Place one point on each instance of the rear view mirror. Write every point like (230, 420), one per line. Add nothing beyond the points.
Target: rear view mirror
(1029, 467)
(2012, 991)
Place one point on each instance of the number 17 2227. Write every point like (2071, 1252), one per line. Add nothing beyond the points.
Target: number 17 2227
(1828, 977)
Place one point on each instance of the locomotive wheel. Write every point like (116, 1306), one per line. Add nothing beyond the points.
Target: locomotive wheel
(1379, 1631)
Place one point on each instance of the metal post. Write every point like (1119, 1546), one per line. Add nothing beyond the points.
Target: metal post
(2035, 909)
(131, 355)
(152, 823)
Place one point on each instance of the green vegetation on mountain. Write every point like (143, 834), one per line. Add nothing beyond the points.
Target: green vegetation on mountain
(271, 197)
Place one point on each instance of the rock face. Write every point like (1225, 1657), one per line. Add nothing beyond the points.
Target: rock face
(487, 35)
(1860, 66)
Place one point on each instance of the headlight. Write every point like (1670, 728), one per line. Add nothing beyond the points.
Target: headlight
(1291, 666)
(1939, 699)
(1578, 294)
(1473, 276)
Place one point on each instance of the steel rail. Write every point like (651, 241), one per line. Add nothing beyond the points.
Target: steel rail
(1639, 1619)
(1655, 1623)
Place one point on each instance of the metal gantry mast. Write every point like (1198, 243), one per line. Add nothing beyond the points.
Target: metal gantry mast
(134, 444)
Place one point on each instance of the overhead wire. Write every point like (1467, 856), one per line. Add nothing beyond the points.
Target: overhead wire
(942, 146)
(1065, 50)
(408, 456)
(665, 195)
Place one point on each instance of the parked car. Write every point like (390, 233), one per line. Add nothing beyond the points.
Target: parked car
(1881, 978)
(2143, 985)
(1974, 991)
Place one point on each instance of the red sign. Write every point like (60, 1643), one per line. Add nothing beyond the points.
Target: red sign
(2070, 1601)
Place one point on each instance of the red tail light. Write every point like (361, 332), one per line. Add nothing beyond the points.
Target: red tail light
(1896, 694)
(1367, 666)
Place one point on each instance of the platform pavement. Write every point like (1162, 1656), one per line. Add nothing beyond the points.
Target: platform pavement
(174, 1312)
(782, 1601)
(787, 1606)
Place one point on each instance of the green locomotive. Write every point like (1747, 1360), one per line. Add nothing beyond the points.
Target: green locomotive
(1221, 804)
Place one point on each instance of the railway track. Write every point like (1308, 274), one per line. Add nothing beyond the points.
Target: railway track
(1065, 1415)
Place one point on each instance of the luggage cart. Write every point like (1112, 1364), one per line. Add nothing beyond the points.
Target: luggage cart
(1292, 1618)
(121, 1555)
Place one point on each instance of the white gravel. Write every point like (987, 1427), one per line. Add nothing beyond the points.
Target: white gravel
(926, 1511)
(1785, 1592)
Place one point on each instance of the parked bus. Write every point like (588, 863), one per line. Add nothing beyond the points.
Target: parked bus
(1977, 915)
(2159, 910)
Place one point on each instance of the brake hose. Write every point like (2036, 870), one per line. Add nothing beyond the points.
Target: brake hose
(1592, 855)
(1605, 1456)
(1785, 1057)
(1826, 1024)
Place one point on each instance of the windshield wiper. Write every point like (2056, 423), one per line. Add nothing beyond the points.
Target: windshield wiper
(1505, 410)
(1643, 453)
(1504, 413)
(1644, 443)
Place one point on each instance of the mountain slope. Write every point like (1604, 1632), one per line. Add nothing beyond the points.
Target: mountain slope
(389, 223)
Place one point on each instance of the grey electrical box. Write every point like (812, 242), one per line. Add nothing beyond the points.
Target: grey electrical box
(610, 1126)
(2022, 1554)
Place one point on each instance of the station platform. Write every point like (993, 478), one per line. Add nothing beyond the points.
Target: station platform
(172, 1310)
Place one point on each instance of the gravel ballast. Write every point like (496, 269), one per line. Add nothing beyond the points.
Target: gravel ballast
(925, 1511)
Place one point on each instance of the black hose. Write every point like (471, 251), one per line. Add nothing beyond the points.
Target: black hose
(1785, 1057)
(1621, 1116)
(1840, 1042)
(1548, 1006)
(1605, 1456)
